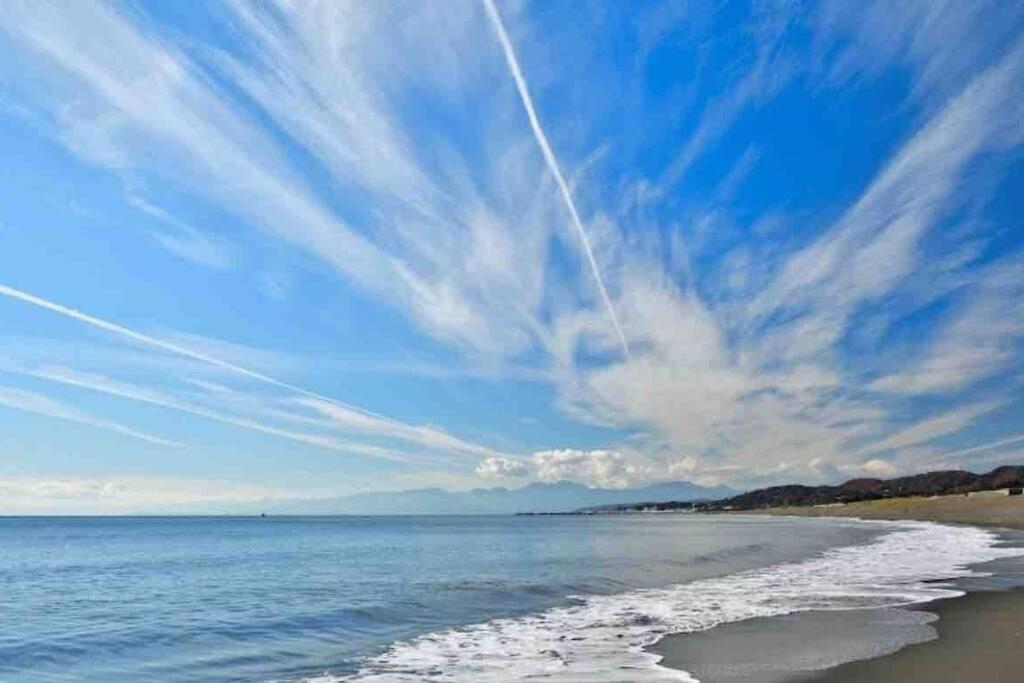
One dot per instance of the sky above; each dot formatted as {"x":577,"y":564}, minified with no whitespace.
{"x":309,"y":249}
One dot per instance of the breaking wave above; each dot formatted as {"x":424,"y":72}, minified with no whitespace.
{"x":604,"y":638}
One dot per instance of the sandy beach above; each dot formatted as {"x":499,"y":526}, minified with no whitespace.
{"x":979,"y":636}
{"x":984,"y":510}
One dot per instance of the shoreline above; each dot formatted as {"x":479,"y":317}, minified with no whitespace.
{"x":980,"y":636}
{"x":1006,"y":512}
{"x":976,"y":636}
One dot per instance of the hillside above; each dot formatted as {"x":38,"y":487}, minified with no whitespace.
{"x":943,"y":482}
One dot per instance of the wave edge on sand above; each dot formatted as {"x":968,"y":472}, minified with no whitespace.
{"x":605,"y":638}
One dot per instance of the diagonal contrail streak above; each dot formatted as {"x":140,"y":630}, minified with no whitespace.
{"x":984,"y":447}
{"x":25,"y":297}
{"x":20,"y":295}
{"x":552,"y":162}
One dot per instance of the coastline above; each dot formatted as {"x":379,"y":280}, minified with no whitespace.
{"x":997,"y":511}
{"x":977,"y":636}
{"x":980,"y":637}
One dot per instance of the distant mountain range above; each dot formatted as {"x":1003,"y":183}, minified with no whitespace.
{"x":563,"y":496}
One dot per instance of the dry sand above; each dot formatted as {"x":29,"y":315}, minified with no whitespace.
{"x":987,"y":510}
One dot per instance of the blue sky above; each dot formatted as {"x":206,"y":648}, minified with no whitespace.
{"x":310,"y":249}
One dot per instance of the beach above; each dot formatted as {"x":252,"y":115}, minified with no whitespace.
{"x":979,"y":636}
{"x":988,"y":510}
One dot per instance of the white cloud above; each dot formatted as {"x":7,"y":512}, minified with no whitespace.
{"x":980,"y":339}
{"x":597,"y":468}
{"x":741,"y":373}
{"x":880,"y":468}
{"x":501,"y":468}
{"x":832,"y":473}
{"x":422,"y":435}
{"x":932,"y":428}
{"x":875,"y":36}
{"x":600,"y":468}
{"x":874,"y":247}
{"x":552,"y":163}
{"x":465,"y":248}
{"x":768,"y":73}
{"x":999,"y":443}
{"x":132,"y":392}
{"x":977,"y":461}
{"x":337,"y":410}
{"x":193,"y":246}
{"x":436,"y":246}
{"x":759,"y":379}
{"x":32,"y":402}
{"x":118,"y":494}
{"x":184,"y":241}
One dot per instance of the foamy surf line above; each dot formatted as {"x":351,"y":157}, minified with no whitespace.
{"x":603,"y":638}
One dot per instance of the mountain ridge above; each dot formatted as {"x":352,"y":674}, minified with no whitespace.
{"x":562,"y":496}
{"x":935,"y":483}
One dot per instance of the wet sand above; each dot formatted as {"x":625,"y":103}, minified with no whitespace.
{"x":981,"y":638}
{"x":791,"y":647}
{"x":977,"y":637}
{"x":989,"y":510}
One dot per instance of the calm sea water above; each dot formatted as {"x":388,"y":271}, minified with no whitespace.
{"x":421,"y":598}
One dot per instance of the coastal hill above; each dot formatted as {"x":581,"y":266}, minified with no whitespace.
{"x":944,"y":482}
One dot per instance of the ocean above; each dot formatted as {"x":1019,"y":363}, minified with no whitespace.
{"x":502,"y":598}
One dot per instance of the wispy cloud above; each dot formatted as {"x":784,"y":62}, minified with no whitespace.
{"x":146,"y":107}
{"x":978,"y":340}
{"x":769,"y":71}
{"x":875,"y":246}
{"x":184,"y":241}
{"x":999,"y":443}
{"x":133,"y":392}
{"x":32,"y":402}
{"x":875,"y":36}
{"x":552,"y":162}
{"x":331,"y":128}
{"x":950,"y":422}
{"x":332,"y":407}
{"x":418,"y":434}
{"x":148,"y":340}
{"x":122,"y":494}
{"x":762,"y":380}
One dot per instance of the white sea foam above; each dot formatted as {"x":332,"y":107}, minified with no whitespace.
{"x":602,"y":638}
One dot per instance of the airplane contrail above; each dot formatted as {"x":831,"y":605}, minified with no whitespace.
{"x":108,"y":326}
{"x":984,"y":447}
{"x":552,"y":162}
